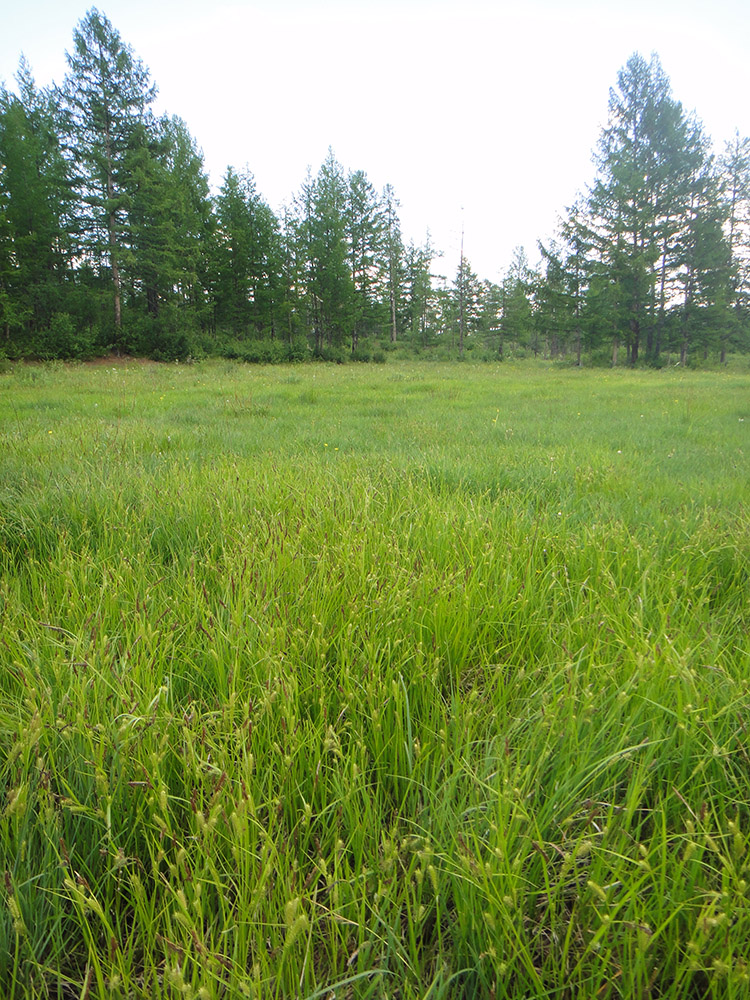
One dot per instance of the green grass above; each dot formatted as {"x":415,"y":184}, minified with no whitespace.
{"x":415,"y":681}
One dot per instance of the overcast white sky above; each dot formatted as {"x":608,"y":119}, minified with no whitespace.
{"x":485,"y":112}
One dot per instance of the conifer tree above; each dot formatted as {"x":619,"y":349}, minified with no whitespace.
{"x":329,"y":287}
{"x":365,"y":236}
{"x":735,"y":168}
{"x":517,"y":325}
{"x":418,"y":292}
{"x":393,"y":256}
{"x":106,"y":95}
{"x":34,"y":216}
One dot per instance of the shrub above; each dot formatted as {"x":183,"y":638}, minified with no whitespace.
{"x":298,"y":350}
{"x":65,"y":340}
{"x":335,"y":354}
{"x":174,"y":345}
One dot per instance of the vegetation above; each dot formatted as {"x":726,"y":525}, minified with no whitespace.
{"x":110,"y":240}
{"x":400,"y":681}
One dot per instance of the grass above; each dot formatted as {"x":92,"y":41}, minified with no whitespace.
{"x":419,"y":681}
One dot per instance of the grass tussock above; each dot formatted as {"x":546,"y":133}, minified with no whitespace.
{"x":363,"y":684}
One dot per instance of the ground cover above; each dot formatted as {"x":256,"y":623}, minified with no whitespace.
{"x":398,"y":681}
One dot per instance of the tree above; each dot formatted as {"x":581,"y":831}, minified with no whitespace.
{"x":517,"y":324}
{"x":553,"y":317}
{"x":106,"y":95}
{"x":247,"y":258}
{"x":34,"y":213}
{"x":654,"y":220}
{"x":705,"y":271}
{"x":364,"y":235}
{"x":561,"y":293}
{"x":735,"y":168}
{"x":490,"y":312}
{"x":418,"y":292}
{"x":170,"y":224}
{"x":293,"y":271}
{"x":632,"y":204}
{"x":329,"y":287}
{"x":394,"y":253}
{"x":466,"y":303}
{"x":192,"y":217}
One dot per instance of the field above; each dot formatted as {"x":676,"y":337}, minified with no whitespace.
{"x":401,"y":681}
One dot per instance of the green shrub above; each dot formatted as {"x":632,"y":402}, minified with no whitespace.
{"x":334,"y":354}
{"x":298,"y":350}
{"x":64,"y":339}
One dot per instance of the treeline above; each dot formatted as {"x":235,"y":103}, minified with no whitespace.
{"x":110,"y":239}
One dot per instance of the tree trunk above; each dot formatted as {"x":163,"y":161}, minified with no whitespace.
{"x":662,"y":301}
{"x":685,"y":336}
{"x":112,"y":227}
{"x":116,"y":282}
{"x":461,"y":299}
{"x":685,"y":311}
{"x":635,"y":327}
{"x":684,"y":347}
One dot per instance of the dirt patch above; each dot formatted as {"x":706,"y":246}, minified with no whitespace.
{"x":113,"y":360}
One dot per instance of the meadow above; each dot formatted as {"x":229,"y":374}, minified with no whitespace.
{"x":399,"y":681}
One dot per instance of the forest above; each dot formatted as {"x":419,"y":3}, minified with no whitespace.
{"x":111,"y":240}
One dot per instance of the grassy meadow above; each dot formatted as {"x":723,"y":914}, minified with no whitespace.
{"x":401,"y":681}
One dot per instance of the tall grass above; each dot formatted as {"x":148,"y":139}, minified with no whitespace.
{"x":417,"y":682}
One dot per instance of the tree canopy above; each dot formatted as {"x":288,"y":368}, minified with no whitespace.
{"x":111,"y":239}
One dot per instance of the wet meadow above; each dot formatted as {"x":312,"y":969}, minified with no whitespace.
{"x":411,"y":680}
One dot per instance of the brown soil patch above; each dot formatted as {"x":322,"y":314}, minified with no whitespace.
{"x":113,"y":360}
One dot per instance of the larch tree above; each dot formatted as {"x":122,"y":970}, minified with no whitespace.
{"x":735,"y":169}
{"x":561,"y":291}
{"x":517,"y":322}
{"x":393,"y":257}
{"x":106,"y":95}
{"x":624,"y":203}
{"x":247,"y":259}
{"x":364,"y":233}
{"x":329,"y":288}
{"x":418,"y":291}
{"x":170,"y":221}
{"x":34,"y":213}
{"x":705,"y":260}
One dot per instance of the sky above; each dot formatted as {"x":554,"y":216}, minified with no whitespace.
{"x":482,"y":115}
